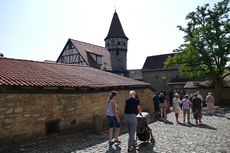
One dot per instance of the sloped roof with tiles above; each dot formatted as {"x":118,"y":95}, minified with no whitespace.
{"x":15,"y":72}
{"x":85,"y":48}
{"x":155,"y":62}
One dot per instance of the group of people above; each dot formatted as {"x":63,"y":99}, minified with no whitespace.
{"x":194,"y":101}
{"x":132,"y":108}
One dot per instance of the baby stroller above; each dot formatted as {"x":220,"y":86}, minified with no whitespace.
{"x":143,"y":131}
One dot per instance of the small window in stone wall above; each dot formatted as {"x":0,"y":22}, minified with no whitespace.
{"x":117,"y":52}
{"x":52,"y":127}
{"x":118,"y":43}
{"x":156,"y":77}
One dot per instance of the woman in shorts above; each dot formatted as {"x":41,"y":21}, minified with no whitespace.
{"x":113,"y":118}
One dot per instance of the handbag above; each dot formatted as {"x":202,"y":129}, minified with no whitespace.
{"x":165,"y":106}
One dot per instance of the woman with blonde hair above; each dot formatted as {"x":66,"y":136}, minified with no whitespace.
{"x":113,"y":119}
{"x":132,"y":108}
{"x":162,"y":104}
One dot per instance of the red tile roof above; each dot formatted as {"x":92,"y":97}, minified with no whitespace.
{"x":32,"y":73}
{"x":84,"y":47}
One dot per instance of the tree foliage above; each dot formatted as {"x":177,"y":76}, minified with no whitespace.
{"x":206,"y":47}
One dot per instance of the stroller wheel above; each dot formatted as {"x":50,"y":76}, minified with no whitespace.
{"x":152,"y":140}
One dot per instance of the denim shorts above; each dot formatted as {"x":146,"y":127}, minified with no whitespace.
{"x":162,"y":105}
{"x":113,"y":122}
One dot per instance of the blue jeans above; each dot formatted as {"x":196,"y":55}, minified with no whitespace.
{"x":131,"y":123}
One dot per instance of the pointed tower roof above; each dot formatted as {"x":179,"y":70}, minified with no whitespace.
{"x":116,"y":29}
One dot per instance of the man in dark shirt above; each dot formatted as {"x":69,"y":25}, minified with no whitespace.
{"x":197,"y":106}
{"x":156,"y":105}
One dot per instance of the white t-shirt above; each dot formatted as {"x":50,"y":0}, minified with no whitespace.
{"x":176,"y":102}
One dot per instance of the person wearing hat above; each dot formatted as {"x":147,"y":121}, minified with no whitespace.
{"x":176,"y":106}
{"x":186,"y":105}
{"x":210,"y":103}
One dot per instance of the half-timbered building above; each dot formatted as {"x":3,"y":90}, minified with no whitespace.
{"x":112,"y":57}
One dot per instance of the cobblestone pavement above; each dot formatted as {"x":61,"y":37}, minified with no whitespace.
{"x":212,"y":136}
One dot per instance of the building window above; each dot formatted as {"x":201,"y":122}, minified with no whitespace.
{"x":117,"y":52}
{"x":156,"y":77}
{"x":107,"y":44}
{"x":98,"y":60}
{"x":70,"y":46}
{"x":118,"y":43}
{"x":124,"y":43}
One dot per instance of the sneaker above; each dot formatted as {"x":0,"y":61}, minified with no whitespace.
{"x":111,"y":142}
{"x":117,"y":141}
{"x":135,"y":144}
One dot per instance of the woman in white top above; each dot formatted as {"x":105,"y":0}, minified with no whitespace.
{"x":176,"y":106}
{"x":113,"y":119}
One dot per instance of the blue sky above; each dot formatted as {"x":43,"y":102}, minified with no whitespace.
{"x":38,"y":29}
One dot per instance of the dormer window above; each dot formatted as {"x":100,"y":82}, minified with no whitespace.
{"x":99,"y":60}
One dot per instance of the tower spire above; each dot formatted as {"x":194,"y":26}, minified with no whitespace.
{"x":116,"y":29}
{"x":116,"y":43}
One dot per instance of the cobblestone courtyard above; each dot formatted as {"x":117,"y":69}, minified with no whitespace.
{"x":212,"y":136}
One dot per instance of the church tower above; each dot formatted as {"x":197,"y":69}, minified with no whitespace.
{"x":116,"y":43}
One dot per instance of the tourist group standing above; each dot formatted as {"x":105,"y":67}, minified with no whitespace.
{"x":194,"y":101}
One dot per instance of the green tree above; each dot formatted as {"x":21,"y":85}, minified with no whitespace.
{"x":206,"y":48}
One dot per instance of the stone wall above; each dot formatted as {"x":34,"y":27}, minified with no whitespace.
{"x":23,"y":116}
{"x":135,"y":74}
{"x":157,"y":82}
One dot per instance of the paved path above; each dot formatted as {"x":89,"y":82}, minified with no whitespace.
{"x":212,"y":136}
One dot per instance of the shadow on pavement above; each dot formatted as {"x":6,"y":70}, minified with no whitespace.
{"x":168,"y":122}
{"x":184,"y":124}
{"x":146,"y":147}
{"x":206,"y":126}
{"x":202,"y":126}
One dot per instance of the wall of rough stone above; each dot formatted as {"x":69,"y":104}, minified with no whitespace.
{"x":135,"y":74}
{"x":23,"y":116}
{"x":155,"y":79}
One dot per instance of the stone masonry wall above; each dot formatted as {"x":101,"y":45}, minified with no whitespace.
{"x":23,"y":116}
{"x":155,"y":79}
